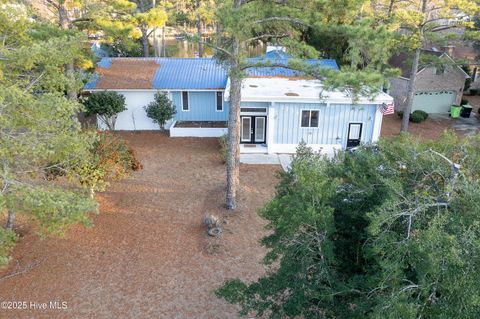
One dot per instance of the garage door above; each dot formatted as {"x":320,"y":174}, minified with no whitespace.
{"x":434,"y":102}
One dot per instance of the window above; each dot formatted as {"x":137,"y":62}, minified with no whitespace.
{"x":309,"y":118}
{"x":185,"y":106}
{"x":219,"y":101}
{"x":253,"y":110}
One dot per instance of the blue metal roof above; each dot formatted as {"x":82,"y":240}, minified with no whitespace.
{"x":92,"y":82}
{"x":200,"y":73}
{"x":276,"y":54}
{"x":279,"y":71}
{"x":189,"y":73}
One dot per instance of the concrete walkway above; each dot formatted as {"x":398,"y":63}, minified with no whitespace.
{"x":466,"y":125}
{"x":267,"y":159}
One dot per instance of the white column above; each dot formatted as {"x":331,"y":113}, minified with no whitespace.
{"x":271,"y":127}
{"x":377,"y":126}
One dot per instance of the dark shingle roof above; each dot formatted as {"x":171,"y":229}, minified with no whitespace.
{"x":403,"y":61}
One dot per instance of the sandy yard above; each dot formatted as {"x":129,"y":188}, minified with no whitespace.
{"x":147,"y":255}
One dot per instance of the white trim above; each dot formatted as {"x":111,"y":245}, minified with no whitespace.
{"x":254,"y":113}
{"x":328,"y":149}
{"x":149,"y":90}
{"x":196,"y":131}
{"x":122,"y":90}
{"x":188,"y":101}
{"x":310,"y":119}
{"x":270,"y":127}
{"x":377,"y":125}
{"x":317,"y":101}
{"x":451,"y":59}
{"x":216,"y":101}
{"x":454,"y":64}
{"x":197,"y":90}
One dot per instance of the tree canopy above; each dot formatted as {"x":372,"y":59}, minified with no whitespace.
{"x":390,"y":231}
{"x":39,"y":129}
{"x":106,"y":105}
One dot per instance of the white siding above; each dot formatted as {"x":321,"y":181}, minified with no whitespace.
{"x":134,"y":118}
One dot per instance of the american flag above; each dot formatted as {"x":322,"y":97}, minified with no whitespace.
{"x":387,"y":109}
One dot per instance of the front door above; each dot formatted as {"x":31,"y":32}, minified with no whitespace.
{"x":253,"y":130}
{"x":354,"y":134}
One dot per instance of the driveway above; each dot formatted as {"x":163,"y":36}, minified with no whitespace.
{"x":433,"y":127}
{"x":147,"y":255}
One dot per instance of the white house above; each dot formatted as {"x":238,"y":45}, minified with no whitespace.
{"x":279,"y":107}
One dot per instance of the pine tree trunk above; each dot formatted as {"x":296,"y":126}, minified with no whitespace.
{"x":145,"y":42}
{"x":199,"y":29}
{"x":69,"y":67}
{"x":164,"y":49}
{"x":233,"y":141}
{"x":10,"y":219}
{"x":233,"y":147}
{"x":10,"y":211}
{"x":411,"y":91}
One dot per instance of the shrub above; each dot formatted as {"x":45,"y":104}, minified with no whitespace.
{"x":464,"y":101}
{"x":7,"y":242}
{"x":474,"y":91}
{"x":161,"y":109}
{"x":418,"y":116}
{"x":106,"y":105}
{"x":111,"y":159}
{"x":223,"y":147}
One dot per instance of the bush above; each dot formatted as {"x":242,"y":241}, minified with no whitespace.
{"x":161,"y":109}
{"x":418,"y":116}
{"x":474,"y":91}
{"x":106,"y":105}
{"x":111,"y":159}
{"x":464,"y":102}
{"x":7,"y":242}
{"x":223,"y":147}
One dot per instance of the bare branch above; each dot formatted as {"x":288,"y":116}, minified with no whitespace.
{"x":215,"y":47}
{"x":31,"y":84}
{"x":282,"y":19}
{"x":266,"y":36}
{"x":53,"y":4}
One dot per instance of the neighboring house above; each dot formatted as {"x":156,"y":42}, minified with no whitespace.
{"x":279,"y":107}
{"x":467,"y":54}
{"x":436,"y":87}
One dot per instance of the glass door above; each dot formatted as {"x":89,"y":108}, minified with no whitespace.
{"x":246,"y":132}
{"x":260,"y":129}
{"x":354,"y":134}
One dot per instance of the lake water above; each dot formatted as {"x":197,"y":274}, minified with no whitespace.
{"x":187,"y":49}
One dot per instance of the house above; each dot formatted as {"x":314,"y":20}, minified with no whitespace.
{"x":437,"y":85}
{"x":468,"y":55}
{"x":279,"y":107}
